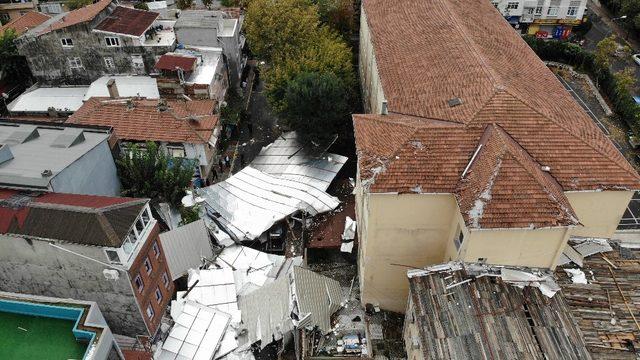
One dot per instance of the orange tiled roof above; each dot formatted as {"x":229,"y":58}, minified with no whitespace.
{"x":25,"y":22}
{"x":142,"y":120}
{"x":77,"y":16}
{"x":429,"y":52}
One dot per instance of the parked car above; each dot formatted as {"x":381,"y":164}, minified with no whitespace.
{"x":636,"y":58}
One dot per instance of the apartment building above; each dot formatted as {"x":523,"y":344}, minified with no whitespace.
{"x":13,"y":9}
{"x":92,"y":248}
{"x":460,"y":158}
{"x":78,"y":47}
{"x":543,"y":18}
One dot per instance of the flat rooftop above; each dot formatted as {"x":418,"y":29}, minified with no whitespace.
{"x":36,"y":337}
{"x":63,"y":99}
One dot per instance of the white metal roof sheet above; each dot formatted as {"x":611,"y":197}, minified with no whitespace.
{"x":185,"y":247}
{"x":128,"y":86}
{"x":65,"y":99}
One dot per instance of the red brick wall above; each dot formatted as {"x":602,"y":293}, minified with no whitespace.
{"x":151,"y":281}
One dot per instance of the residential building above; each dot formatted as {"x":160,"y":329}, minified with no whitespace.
{"x":185,"y":129}
{"x":467,"y":311}
{"x":93,"y":248}
{"x":13,"y":9}
{"x":543,"y":18}
{"x":214,"y":29}
{"x":197,"y":73}
{"x":58,"y":158}
{"x":25,"y":22}
{"x":463,"y":155}
{"x":57,"y":328}
{"x":77,"y":47}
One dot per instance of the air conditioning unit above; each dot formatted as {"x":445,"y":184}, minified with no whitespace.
{"x":110,"y":274}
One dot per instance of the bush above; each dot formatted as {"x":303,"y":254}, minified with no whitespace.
{"x":619,"y":95}
{"x":141,"y":6}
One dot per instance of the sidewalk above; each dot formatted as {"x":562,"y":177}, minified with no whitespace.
{"x":605,"y":16}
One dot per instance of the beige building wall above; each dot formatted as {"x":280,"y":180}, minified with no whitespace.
{"x":599,"y":211}
{"x":372,"y":93}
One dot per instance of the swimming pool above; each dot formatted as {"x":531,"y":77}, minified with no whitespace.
{"x":32,"y":330}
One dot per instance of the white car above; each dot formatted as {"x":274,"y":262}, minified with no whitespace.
{"x":636,"y":58}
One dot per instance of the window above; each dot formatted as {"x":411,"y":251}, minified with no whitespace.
{"x":150,"y":312}
{"x":112,"y":41}
{"x":573,"y":8}
{"x":113,"y":257}
{"x":538,"y":10}
{"x":158,"y":295}
{"x":66,"y":42}
{"x":130,"y":242}
{"x":75,"y":63}
{"x":165,"y":280}
{"x":139,"y":226}
{"x":553,"y":11}
{"x":512,"y":5}
{"x":147,"y":266}
{"x":176,"y":151}
{"x":459,"y":239}
{"x":146,"y":218}
{"x":139,"y":283}
{"x":136,"y":62}
{"x":156,"y":249}
{"x":529,"y":11}
{"x":108,"y":62}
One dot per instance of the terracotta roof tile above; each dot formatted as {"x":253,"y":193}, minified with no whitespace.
{"x":424,"y":144}
{"x":77,"y":16}
{"x":142,"y":120}
{"x":25,"y":22}
{"x":127,"y":21}
{"x":173,"y":62}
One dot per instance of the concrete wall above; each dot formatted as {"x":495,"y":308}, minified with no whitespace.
{"x":599,"y":211}
{"x":34,"y":267}
{"x":372,"y":92}
{"x":48,"y":62}
{"x":93,"y":174}
{"x":400,"y":232}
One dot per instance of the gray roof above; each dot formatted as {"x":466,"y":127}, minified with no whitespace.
{"x":36,"y":148}
{"x":200,"y":19}
{"x":185,"y":247}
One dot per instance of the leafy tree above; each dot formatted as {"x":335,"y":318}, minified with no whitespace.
{"x":151,"y":173}
{"x":141,"y":5}
{"x":189,"y":214}
{"x":278,"y":28}
{"x":316,"y":105}
{"x":12,"y":65}
{"x":338,"y":14}
{"x":605,"y":50}
{"x":225,"y":3}
{"x":328,"y":53}
{"x":184,"y":4}
{"x":77,"y":4}
{"x":625,"y":80}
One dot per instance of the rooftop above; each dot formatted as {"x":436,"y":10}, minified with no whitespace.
{"x":28,"y":151}
{"x":25,"y":22}
{"x":175,"y":61}
{"x":444,"y":93}
{"x":462,"y":311}
{"x":127,"y":21}
{"x":80,"y":219}
{"x":71,"y":18}
{"x":128,"y":86}
{"x":39,"y":100}
{"x":205,"y":70}
{"x":149,"y":120}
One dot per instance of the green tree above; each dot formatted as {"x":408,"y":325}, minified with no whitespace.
{"x":625,"y":80}
{"x":328,"y":53}
{"x":605,"y":50}
{"x":189,"y":214}
{"x":12,"y":65}
{"x":141,"y":6}
{"x":151,"y":173}
{"x":277,"y":28}
{"x":338,"y":14}
{"x":184,"y":4}
{"x":77,"y":4}
{"x":316,"y":105}
{"x":225,"y":3}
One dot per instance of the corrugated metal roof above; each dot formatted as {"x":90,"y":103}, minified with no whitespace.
{"x":317,"y":295}
{"x":185,"y":247}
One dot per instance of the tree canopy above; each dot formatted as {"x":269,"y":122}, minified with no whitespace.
{"x":12,"y":65}
{"x":150,"y":172}
{"x":316,"y":105}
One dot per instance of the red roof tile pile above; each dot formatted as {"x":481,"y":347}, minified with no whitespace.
{"x":128,"y":21}
{"x":25,"y":22}
{"x":150,"y":120}
{"x":78,"y":16}
{"x":452,"y":71}
{"x":173,"y":62}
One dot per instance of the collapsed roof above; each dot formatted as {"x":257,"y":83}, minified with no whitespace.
{"x":443,"y":93}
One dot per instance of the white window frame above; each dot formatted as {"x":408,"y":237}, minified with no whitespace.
{"x":112,"y":41}
{"x":158,"y":295}
{"x":114,"y":251}
{"x":171,"y":149}
{"x":156,"y":249}
{"x":66,"y":42}
{"x":538,"y":10}
{"x":135,"y":281}
{"x":148,"y":267}
{"x":572,"y":11}
{"x":513,"y":5}
{"x":150,"y":312}
{"x":552,"y":11}
{"x":109,"y":63}
{"x":74,"y":63}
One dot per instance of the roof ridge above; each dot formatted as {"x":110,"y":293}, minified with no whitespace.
{"x":620,"y":161}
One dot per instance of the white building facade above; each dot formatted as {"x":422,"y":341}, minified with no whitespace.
{"x":543,"y":18}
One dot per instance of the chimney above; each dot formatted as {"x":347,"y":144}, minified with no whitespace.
{"x":113,"y":89}
{"x":384,"y":110}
